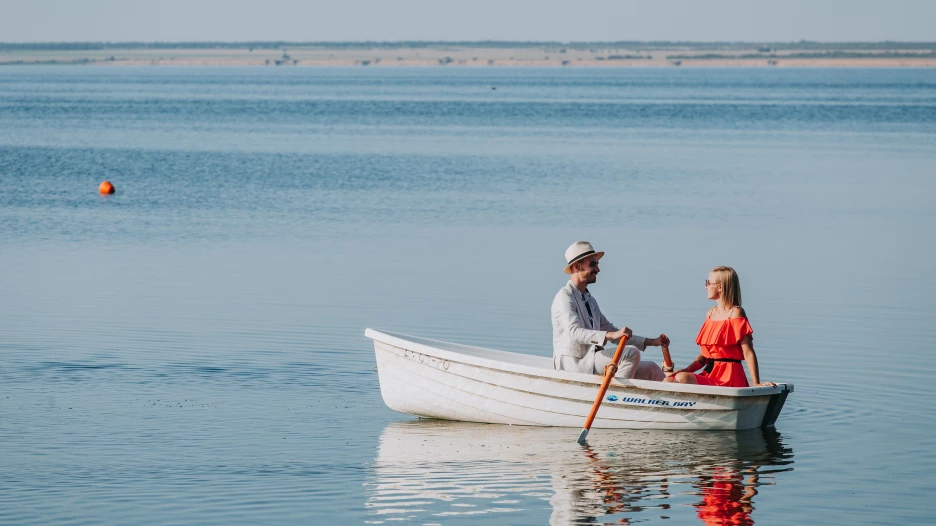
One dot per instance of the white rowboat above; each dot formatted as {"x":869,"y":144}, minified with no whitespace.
{"x":448,"y":381}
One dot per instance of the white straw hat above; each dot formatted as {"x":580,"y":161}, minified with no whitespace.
{"x":579,"y":250}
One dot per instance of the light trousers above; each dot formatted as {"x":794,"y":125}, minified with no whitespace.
{"x":630,"y":365}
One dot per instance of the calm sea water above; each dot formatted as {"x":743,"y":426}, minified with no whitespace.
{"x":190,"y":350}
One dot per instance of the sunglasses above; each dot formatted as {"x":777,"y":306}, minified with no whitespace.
{"x":707,"y":283}
{"x":591,"y":264}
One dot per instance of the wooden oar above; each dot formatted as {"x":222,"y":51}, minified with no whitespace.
{"x":664,"y":343}
{"x":610,"y":370}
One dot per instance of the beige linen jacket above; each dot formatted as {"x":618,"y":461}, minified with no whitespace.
{"x":575,"y":340}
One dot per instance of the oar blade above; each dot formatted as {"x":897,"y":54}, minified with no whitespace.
{"x":581,"y":439}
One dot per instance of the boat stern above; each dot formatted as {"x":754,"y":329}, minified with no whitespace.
{"x":776,"y":405}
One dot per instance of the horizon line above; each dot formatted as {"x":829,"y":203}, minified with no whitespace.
{"x":481,"y":43}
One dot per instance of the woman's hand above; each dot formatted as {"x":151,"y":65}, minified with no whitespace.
{"x":658,"y":342}
{"x":765,"y":384}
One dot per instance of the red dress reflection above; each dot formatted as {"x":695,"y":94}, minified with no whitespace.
{"x":726,"y":500}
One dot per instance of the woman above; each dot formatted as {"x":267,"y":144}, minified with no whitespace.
{"x":725,"y":338}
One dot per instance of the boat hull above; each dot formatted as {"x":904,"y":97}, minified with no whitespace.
{"x":438,"y":381}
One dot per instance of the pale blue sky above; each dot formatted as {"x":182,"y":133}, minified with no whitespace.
{"x":342,"y":20}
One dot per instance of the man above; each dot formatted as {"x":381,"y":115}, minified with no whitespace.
{"x":580,"y":330}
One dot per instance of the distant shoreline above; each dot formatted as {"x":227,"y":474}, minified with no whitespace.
{"x":478,"y":54}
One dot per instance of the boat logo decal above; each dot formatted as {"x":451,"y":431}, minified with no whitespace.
{"x":648,"y":401}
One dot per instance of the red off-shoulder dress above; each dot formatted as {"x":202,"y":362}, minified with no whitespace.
{"x":722,"y":339}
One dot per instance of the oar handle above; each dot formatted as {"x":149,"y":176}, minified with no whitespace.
{"x":610,"y":370}
{"x":664,"y":343}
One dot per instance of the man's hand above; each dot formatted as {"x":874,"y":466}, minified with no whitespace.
{"x":658,"y":342}
{"x":617,"y":335}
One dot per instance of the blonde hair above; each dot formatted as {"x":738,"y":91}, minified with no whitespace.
{"x":731,"y":285}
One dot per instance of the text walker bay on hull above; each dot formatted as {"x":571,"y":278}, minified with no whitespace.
{"x":448,"y":381}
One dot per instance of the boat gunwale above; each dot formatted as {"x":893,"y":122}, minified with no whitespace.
{"x":400,"y":341}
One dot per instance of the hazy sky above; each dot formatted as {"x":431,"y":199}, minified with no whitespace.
{"x":342,"y":20}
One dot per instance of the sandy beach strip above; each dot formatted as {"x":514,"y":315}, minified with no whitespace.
{"x":456,"y":56}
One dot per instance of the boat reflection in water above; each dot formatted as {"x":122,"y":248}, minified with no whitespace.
{"x":433,"y":471}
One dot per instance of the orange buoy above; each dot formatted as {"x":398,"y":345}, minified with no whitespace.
{"x":106,"y":188}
